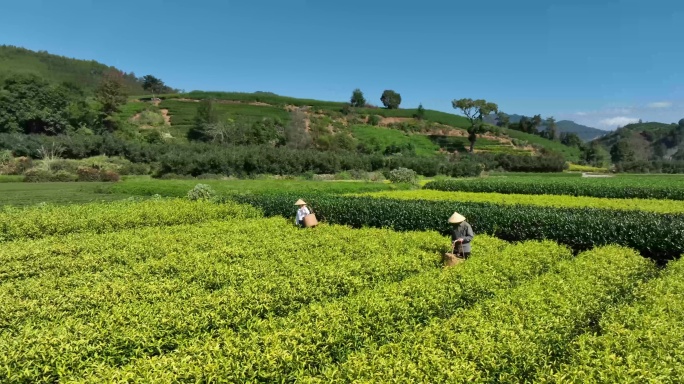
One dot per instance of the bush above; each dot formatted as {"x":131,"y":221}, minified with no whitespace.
{"x":403,"y":175}
{"x":111,"y":176}
{"x":37,"y":175}
{"x":88,"y":174}
{"x":201,"y":192}
{"x":579,"y":228}
{"x":373,"y":120}
{"x":5,"y":157}
{"x":64,"y":176}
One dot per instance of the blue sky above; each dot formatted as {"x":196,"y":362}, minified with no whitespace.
{"x":600,"y":63}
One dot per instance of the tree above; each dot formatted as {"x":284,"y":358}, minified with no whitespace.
{"x":622,"y":151}
{"x":29,"y":104}
{"x":390,"y":99}
{"x":551,"y":132}
{"x":570,"y":139}
{"x":111,"y":95}
{"x":474,"y":110}
{"x":205,"y":116}
{"x":535,"y":123}
{"x":420,"y":113}
{"x":153,"y":84}
{"x":502,"y":120}
{"x":594,"y":154}
{"x":357,"y":99}
{"x":681,"y":123}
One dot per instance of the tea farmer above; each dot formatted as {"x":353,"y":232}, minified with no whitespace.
{"x":301,"y":212}
{"x":461,"y":235}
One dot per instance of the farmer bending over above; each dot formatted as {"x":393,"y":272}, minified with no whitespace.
{"x":301,"y":212}
{"x":461,"y":235}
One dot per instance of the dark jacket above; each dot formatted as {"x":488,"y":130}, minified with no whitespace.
{"x":462,"y":231}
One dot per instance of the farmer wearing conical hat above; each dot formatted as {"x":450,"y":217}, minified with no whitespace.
{"x":301,"y":212}
{"x":461,"y":234}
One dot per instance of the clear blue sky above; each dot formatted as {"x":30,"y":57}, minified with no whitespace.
{"x":597,"y":62}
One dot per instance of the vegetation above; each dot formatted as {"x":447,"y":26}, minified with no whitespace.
{"x":390,"y":99}
{"x":579,"y":228}
{"x":357,"y":99}
{"x":324,"y":334}
{"x":560,"y":201}
{"x":475,"y":110}
{"x":636,"y":342}
{"x":50,"y":220}
{"x":627,"y":187}
{"x":513,"y":337}
{"x":234,"y":275}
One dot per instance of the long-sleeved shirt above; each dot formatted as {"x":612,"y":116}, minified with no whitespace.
{"x":462,"y":231}
{"x":301,"y":212}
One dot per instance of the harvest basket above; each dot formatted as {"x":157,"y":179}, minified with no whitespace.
{"x":449,"y":259}
{"x":310,"y":220}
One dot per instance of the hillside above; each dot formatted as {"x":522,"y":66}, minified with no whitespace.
{"x":564,"y":126}
{"x":649,"y":140}
{"x":59,"y":69}
{"x":372,"y":130}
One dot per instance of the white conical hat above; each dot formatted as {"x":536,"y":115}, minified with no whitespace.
{"x":300,"y":202}
{"x":456,"y":218}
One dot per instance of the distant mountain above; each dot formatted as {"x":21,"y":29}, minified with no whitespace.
{"x":59,"y":69}
{"x":585,"y":133}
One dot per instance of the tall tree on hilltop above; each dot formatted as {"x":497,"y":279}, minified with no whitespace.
{"x":111,"y":95}
{"x":390,"y":99}
{"x":153,"y":84}
{"x":420,"y":112}
{"x":475,"y":110}
{"x":357,"y":99}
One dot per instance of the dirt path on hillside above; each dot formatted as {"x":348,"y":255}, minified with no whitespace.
{"x":166,"y":116}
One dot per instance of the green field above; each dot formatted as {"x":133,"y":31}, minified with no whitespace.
{"x":183,"y":112}
{"x":165,"y":291}
{"x":20,"y":194}
{"x":380,"y":138}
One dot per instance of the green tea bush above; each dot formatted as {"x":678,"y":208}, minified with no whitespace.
{"x":511,"y":338}
{"x":579,"y":228}
{"x":649,"y":187}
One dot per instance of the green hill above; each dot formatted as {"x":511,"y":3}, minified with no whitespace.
{"x":649,"y":141}
{"x":396,"y":130}
{"x":59,"y":69}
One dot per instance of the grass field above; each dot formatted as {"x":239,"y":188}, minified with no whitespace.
{"x":20,"y":194}
{"x":375,"y":137}
{"x":17,"y":193}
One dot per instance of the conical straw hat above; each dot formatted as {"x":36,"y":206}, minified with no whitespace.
{"x":456,"y":218}
{"x":300,"y":202}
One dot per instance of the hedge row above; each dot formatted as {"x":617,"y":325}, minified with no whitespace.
{"x":513,"y":337}
{"x":658,"y":236}
{"x":645,"y":187}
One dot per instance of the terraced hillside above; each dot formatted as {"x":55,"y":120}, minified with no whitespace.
{"x":373,"y":128}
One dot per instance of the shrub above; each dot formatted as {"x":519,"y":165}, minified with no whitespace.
{"x":373,"y":120}
{"x":106,"y":175}
{"x":64,"y":176}
{"x":403,"y":175}
{"x":5,"y":157}
{"x":201,"y":192}
{"x":88,"y":174}
{"x":37,"y":175}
